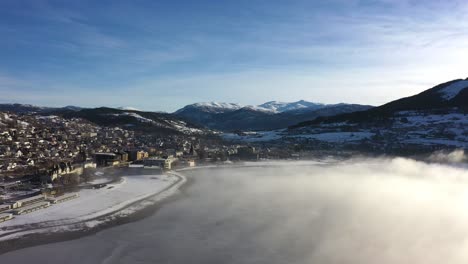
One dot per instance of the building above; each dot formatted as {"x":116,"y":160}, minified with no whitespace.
{"x":31,"y":208}
{"x":106,"y":159}
{"x":134,"y":155}
{"x":166,"y":164}
{"x":64,"y":198}
{"x":188,"y":162}
{"x":191,"y":163}
{"x":28,"y":201}
{"x":142,"y":155}
{"x":63,"y":168}
{"x":247,"y":153}
{"x":122,"y":156}
{"x":4,"y":207}
{"x":89,"y":164}
{"x":170,"y":152}
{"x":154,"y":162}
{"x":5,"y":217}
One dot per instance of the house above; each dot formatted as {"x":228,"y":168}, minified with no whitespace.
{"x":9,"y":185}
{"x":122,"y":156}
{"x":247,"y":153}
{"x":106,"y":159}
{"x":164,"y":163}
{"x":134,"y":155}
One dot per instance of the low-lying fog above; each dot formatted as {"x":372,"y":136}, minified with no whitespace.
{"x":360,"y":211}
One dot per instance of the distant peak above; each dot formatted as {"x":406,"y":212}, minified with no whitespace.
{"x":279,"y":107}
{"x":270,"y":106}
{"x":128,"y":108}
{"x":217,"y":104}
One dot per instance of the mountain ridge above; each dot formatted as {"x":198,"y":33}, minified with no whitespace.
{"x":270,"y":106}
{"x":270,"y":115}
{"x":445,"y":95}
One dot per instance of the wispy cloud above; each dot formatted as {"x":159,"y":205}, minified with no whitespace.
{"x":164,"y":54}
{"x":60,"y":28}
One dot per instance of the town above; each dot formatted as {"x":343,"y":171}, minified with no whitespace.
{"x":45,"y":159}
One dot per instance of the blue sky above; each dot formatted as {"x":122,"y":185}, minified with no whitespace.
{"x":161,"y":55}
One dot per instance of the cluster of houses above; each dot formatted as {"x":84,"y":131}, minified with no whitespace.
{"x":139,"y":158}
{"x":37,"y":151}
{"x":29,"y":143}
{"x":53,"y":146}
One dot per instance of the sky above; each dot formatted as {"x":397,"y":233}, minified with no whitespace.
{"x":162,"y":55}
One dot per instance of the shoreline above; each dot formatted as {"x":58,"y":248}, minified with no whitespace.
{"x":46,"y":235}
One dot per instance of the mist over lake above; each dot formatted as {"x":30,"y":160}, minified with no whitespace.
{"x":357,"y":211}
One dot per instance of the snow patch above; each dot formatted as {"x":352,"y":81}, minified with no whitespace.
{"x":280,"y":107}
{"x":261,"y":136}
{"x":128,"y":108}
{"x":112,"y":200}
{"x":449,"y":92}
{"x":338,"y":136}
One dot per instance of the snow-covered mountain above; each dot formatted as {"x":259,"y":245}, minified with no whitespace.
{"x":270,"y":115}
{"x":436,"y":118}
{"x":453,"y":89}
{"x":209,"y":107}
{"x":280,"y":107}
{"x":128,"y":108}
{"x":217,"y":105}
{"x":146,"y":122}
{"x":27,"y":108}
{"x":401,"y":133}
{"x":442,"y":97}
{"x":272,"y":106}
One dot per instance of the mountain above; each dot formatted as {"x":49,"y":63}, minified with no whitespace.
{"x":272,"y":106}
{"x":145,"y":122}
{"x":22,"y":108}
{"x":452,"y":94}
{"x":431,"y":120}
{"x":128,"y":108}
{"x":212,"y":107}
{"x":203,"y":113}
{"x":71,"y":107}
{"x":435,"y":119}
{"x":267,"y":116}
{"x":27,"y":108}
{"x":280,"y":107}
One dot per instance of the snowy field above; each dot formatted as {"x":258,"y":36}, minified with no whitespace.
{"x":449,"y":129}
{"x":264,"y":136}
{"x":94,"y":206}
{"x":258,"y":136}
{"x":338,"y":137}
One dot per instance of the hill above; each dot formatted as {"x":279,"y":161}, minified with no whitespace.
{"x":452,"y":94}
{"x":147,"y":122}
{"x":435,"y":119}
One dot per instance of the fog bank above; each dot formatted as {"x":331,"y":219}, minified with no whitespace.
{"x":357,"y":211}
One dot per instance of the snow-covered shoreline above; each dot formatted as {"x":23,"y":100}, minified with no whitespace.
{"x":95,"y":208}
{"x":53,"y":230}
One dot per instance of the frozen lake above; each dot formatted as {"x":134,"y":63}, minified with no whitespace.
{"x":377,"y":211}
